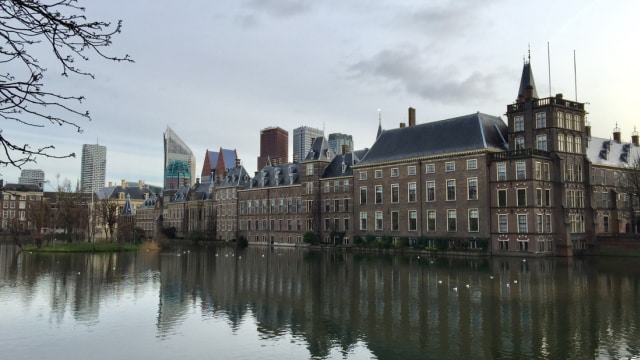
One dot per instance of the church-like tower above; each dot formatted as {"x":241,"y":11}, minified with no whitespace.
{"x":538,"y":187}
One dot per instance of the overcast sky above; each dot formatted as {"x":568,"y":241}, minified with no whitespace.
{"x":217,"y":72}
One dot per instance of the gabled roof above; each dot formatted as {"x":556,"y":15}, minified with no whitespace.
{"x":342,"y":165}
{"x":465,"y":133}
{"x":236,"y":177}
{"x":606,"y":152}
{"x":320,"y":150}
{"x":279,"y":175}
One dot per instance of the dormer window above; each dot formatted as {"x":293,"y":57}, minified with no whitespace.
{"x":344,"y":167}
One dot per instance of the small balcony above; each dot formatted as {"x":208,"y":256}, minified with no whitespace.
{"x":519,"y":154}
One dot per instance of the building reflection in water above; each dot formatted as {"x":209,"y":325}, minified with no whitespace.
{"x":404,"y":306}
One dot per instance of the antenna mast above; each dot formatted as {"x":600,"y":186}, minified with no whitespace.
{"x":549,"y":67}
{"x":575,"y":77}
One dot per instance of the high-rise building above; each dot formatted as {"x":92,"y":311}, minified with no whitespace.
{"x":274,"y":145}
{"x":302,"y":139}
{"x":31,"y":177}
{"x":337,"y":141}
{"x":179,"y":162}
{"x":94,"y":167}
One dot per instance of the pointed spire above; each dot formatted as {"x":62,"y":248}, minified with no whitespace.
{"x":379,"y":124}
{"x":527,"y":83}
{"x":127,"y":209}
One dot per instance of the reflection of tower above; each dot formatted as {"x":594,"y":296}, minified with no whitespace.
{"x":179,"y":161}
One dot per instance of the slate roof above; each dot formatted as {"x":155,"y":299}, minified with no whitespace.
{"x":237,"y":176}
{"x":149,"y":202}
{"x":525,"y":80}
{"x":465,"y":133}
{"x":228,"y":156}
{"x":342,"y":165}
{"x":606,"y":152}
{"x":320,"y":150}
{"x":279,"y":175}
{"x":22,"y":187}
{"x":113,"y":192}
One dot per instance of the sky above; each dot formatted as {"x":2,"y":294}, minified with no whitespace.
{"x":217,"y":72}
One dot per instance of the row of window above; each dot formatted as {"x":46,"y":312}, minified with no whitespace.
{"x":563,"y":120}
{"x":543,"y":197}
{"x":570,"y":143}
{"x":472,"y":191}
{"x":336,"y":186}
{"x":543,"y":223}
{"x":449,"y":166}
{"x":412,"y":220}
{"x":271,"y":225}
{"x":339,"y":205}
{"x":272,"y":206}
{"x":523,"y":245}
{"x":541,"y":171}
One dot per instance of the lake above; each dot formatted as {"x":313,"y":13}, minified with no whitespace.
{"x":290,"y":303}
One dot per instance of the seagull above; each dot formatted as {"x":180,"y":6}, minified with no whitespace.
{"x":439,"y":281}
{"x":240,"y":257}
{"x":515,"y":281}
{"x":455,"y":289}
{"x":491,"y":277}
{"x":467,"y":286}
{"x":507,"y":284}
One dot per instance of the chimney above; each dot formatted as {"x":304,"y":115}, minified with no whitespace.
{"x":123,"y":183}
{"x":402,"y":125}
{"x":140,"y":183}
{"x":110,"y":184}
{"x":616,"y":134}
{"x":587,"y":129}
{"x":528,"y":92}
{"x":412,"y":116}
{"x":634,"y":138}
{"x":238,"y":162}
{"x":295,"y":158}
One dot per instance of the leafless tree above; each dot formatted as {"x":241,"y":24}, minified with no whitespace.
{"x":630,"y":186}
{"x":108,"y":213}
{"x":58,"y":26}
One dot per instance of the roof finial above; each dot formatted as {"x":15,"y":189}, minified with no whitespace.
{"x":529,"y":53}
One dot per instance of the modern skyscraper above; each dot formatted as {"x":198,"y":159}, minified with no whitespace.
{"x":338,"y":140}
{"x":179,"y":162}
{"x":31,"y":177}
{"x":302,"y":139}
{"x":94,"y":167}
{"x":274,"y":145}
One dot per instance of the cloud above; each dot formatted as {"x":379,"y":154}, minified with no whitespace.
{"x":406,"y":67}
{"x":280,"y":8}
{"x":447,"y":20}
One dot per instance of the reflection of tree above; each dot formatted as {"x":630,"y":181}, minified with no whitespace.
{"x":395,"y":306}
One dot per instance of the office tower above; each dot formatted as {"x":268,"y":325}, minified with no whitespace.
{"x":94,"y":167}
{"x":31,"y":177}
{"x":302,"y":139}
{"x":338,"y":141}
{"x":274,"y":145}
{"x":179,"y":162}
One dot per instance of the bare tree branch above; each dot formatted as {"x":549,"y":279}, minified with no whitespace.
{"x":62,"y":27}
